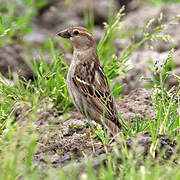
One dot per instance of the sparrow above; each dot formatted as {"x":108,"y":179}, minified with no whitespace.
{"x":86,"y":81}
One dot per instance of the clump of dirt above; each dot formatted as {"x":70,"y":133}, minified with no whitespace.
{"x":141,"y":143}
{"x":137,"y":104}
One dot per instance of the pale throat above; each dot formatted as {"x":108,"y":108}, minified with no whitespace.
{"x":84,"y":55}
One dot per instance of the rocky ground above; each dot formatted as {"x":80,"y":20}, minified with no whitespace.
{"x":64,"y":137}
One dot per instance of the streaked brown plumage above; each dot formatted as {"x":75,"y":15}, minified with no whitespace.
{"x":86,"y":80}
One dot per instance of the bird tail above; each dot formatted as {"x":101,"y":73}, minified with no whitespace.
{"x":113,"y":128}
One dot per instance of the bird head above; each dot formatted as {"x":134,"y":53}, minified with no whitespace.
{"x":80,"y":38}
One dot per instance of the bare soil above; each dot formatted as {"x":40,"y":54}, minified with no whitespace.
{"x":64,"y":139}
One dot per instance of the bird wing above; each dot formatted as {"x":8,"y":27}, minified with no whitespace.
{"x":91,"y":81}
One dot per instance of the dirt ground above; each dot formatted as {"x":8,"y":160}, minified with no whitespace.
{"x":64,"y":137}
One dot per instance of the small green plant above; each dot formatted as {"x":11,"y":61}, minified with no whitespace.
{"x":15,"y":19}
{"x":165,"y":103}
{"x":49,"y":81}
{"x":89,"y":19}
{"x":18,"y":145}
{"x":163,"y":2}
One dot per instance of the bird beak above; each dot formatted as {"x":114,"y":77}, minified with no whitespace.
{"x":64,"y":34}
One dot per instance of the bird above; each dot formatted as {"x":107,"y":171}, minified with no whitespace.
{"x":86,"y":81}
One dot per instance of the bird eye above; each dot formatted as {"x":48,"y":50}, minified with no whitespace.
{"x":76,"y":32}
